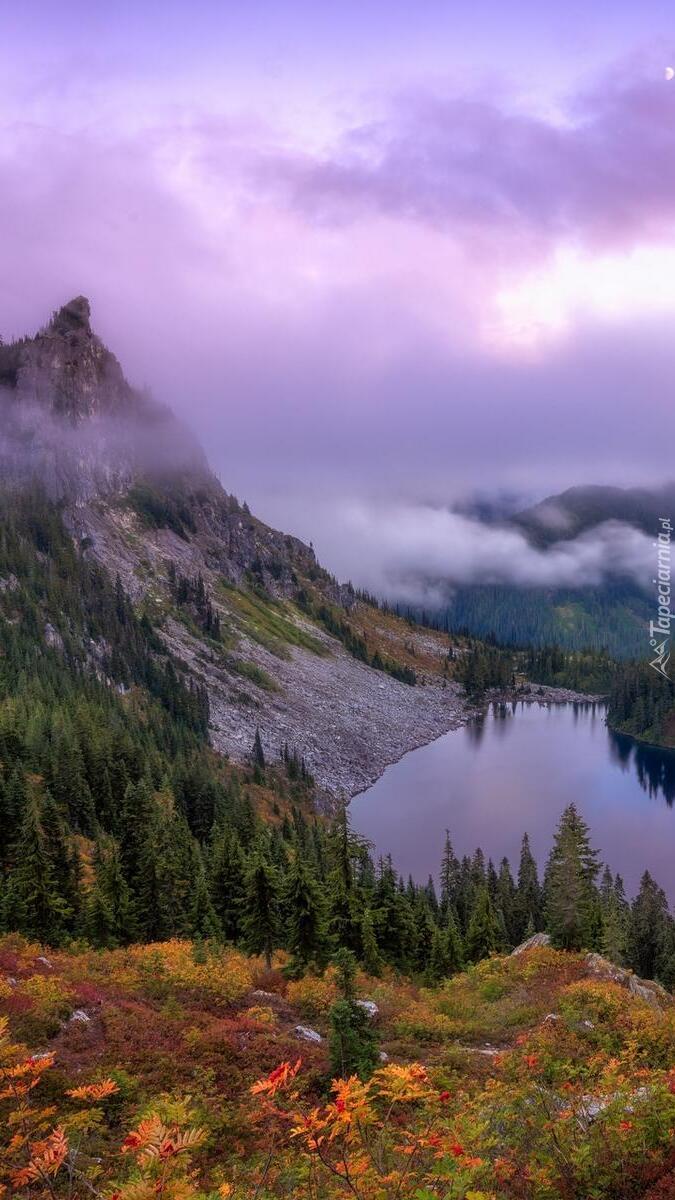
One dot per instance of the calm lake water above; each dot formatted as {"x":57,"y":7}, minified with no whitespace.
{"x":515,"y":771}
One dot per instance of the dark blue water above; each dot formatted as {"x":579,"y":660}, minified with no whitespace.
{"x":516,"y":770}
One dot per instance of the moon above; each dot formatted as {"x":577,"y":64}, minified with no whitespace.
{"x":670,"y":72}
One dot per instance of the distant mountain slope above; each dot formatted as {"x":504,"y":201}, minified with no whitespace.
{"x":613,"y":616}
{"x":580,"y":509}
{"x":276,"y":643}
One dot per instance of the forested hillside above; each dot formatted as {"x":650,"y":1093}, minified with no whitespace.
{"x":642,"y":703}
{"x":612,"y":617}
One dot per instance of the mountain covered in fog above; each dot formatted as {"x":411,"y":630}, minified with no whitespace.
{"x":244,"y":613}
{"x":612,"y":615}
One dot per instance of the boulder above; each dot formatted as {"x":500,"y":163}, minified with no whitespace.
{"x":533,"y":943}
{"x":80,"y":1017}
{"x":643,"y":989}
{"x":370,"y":1007}
{"x":307,"y":1034}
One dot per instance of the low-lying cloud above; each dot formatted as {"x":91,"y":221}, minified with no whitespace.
{"x":417,"y":554}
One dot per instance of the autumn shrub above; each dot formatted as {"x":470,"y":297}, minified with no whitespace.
{"x":313,"y":995}
{"x":50,"y":1002}
{"x":262,"y":1014}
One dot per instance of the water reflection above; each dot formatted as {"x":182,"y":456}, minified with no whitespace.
{"x":515,"y":769}
{"x":654,"y":768}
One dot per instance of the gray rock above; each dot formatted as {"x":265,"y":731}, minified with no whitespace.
{"x":533,"y":943}
{"x":44,"y":962}
{"x":643,"y":989}
{"x":80,"y":1016}
{"x":53,"y":637}
{"x":370,"y":1007}
{"x":307,"y":1034}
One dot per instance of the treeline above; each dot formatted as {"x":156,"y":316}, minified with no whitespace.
{"x":642,"y":703}
{"x":580,"y":670}
{"x":485,"y":666}
{"x":336,"y":624}
{"x":311,"y":889}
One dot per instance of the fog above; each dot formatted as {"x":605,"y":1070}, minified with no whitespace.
{"x":415,"y":554}
{"x":101,"y":452}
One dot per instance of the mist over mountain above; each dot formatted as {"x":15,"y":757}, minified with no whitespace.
{"x":70,"y":418}
{"x":244,"y":614}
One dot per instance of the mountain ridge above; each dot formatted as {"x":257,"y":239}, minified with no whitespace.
{"x":298,"y":656}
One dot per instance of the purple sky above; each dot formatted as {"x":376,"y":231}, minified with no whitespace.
{"x":379,"y":254}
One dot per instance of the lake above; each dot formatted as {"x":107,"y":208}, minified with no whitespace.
{"x":515,"y":771}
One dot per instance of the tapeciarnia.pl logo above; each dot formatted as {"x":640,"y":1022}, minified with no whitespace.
{"x":659,"y":630}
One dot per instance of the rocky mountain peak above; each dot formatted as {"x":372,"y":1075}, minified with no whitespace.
{"x":68,"y":369}
{"x":73,"y":316}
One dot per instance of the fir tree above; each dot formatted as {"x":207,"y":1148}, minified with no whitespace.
{"x":649,"y":927}
{"x":261,"y":921}
{"x":571,"y":899}
{"x":483,"y":935}
{"x":33,"y":902}
{"x":306,"y":921}
{"x":227,"y":870}
{"x":352,"y":1040}
{"x":527,"y":903}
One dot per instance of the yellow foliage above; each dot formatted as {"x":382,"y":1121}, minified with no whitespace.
{"x":262,"y":1014}
{"x":314,"y":994}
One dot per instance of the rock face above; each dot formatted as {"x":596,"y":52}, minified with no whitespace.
{"x":67,"y":369}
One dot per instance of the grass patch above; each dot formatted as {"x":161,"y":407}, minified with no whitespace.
{"x":254,"y":673}
{"x":269,"y":622}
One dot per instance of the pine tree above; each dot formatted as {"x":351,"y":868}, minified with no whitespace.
{"x":649,"y":924}
{"x":352,"y":1040}
{"x":344,"y":919}
{"x":258,"y":758}
{"x":370,"y":951}
{"x":528,"y":902}
{"x":505,"y":903}
{"x":571,"y":898}
{"x":454,"y":947}
{"x":306,"y":921}
{"x":109,"y":916}
{"x":33,"y":903}
{"x":203,"y":920}
{"x":450,"y":878}
{"x":12,"y":806}
{"x":261,"y":923}
{"x":227,"y":871}
{"x":484,"y":935}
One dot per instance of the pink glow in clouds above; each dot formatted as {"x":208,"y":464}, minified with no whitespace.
{"x":373,"y":297}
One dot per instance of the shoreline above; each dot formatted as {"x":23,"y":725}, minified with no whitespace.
{"x":545,"y":695}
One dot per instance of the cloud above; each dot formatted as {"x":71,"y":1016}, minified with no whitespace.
{"x":320,"y":316}
{"x":416,"y":554}
{"x":603,"y":173}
